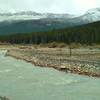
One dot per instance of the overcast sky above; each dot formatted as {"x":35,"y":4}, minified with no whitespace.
{"x":52,"y":6}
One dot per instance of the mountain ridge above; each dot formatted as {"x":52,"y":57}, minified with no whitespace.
{"x":37,"y":22}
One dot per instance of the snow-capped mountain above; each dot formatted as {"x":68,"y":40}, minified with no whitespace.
{"x":28,"y":21}
{"x":19,"y":16}
{"x":29,"y":15}
{"x":91,"y":15}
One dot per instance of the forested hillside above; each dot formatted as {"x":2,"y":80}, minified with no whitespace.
{"x":86,"y":34}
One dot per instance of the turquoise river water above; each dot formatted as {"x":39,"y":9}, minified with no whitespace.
{"x":23,"y":81}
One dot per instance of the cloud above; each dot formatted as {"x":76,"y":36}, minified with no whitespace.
{"x":53,"y":6}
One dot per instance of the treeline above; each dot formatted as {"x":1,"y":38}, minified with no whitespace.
{"x":86,"y":34}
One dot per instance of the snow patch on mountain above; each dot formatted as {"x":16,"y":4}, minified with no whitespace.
{"x":29,"y":15}
{"x":92,"y":15}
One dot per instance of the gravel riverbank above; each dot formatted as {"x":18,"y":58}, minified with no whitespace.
{"x":85,"y":61}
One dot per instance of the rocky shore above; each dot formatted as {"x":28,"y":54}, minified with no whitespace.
{"x":81,"y":62}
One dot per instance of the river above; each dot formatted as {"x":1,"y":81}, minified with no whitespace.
{"x":23,"y":81}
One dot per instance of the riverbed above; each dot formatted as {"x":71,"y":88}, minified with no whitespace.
{"x":20,"y":80}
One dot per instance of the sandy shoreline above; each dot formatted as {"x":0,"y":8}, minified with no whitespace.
{"x":44,"y":57}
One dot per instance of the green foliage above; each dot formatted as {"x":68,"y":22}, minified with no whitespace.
{"x":86,"y":34}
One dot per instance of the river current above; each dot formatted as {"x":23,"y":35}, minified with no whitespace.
{"x":20,"y":80}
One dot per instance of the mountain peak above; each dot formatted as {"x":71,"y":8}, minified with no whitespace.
{"x":93,"y":11}
{"x":92,"y":15}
